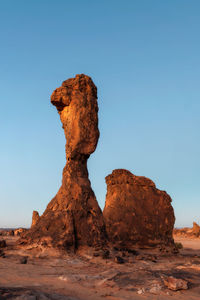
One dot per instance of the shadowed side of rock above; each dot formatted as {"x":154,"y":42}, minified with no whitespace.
{"x":73,"y":218}
{"x":136,"y":212}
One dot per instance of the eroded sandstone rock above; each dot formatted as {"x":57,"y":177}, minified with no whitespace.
{"x":175,"y":284}
{"x":73,"y":218}
{"x":193,"y":232}
{"x":196,"y":229}
{"x":136,"y":212}
{"x":20,"y":231}
{"x":35,"y":218}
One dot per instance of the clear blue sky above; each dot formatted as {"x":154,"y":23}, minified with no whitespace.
{"x":144,"y":57}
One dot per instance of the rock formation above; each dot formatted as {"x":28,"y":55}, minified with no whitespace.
{"x":175,"y":284}
{"x":35,"y":218}
{"x":20,"y":231}
{"x":73,"y":218}
{"x":136,"y":212}
{"x":193,"y":232}
{"x":196,"y":229}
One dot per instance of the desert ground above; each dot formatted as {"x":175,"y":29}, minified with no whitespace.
{"x":102,"y":259}
{"x":28,"y":275}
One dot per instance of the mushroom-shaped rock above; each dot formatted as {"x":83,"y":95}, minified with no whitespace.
{"x":136,"y":212}
{"x":73,"y":218}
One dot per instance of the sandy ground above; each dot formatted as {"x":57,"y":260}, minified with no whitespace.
{"x":76,"y":277}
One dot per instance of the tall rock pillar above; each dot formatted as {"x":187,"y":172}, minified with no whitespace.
{"x":73,"y":218}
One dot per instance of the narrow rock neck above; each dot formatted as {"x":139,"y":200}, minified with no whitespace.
{"x":76,"y":166}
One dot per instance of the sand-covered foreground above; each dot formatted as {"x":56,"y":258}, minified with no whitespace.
{"x":89,"y":277}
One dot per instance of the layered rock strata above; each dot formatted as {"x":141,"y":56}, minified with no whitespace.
{"x":73,"y":218}
{"x":136,"y":212}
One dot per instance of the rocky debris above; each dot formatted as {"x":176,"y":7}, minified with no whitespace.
{"x":178,"y":246}
{"x":2,"y":244}
{"x":73,"y":218}
{"x":23,"y":260}
{"x":136,"y":212}
{"x":105,"y":254}
{"x":155,"y":289}
{"x":6,"y":232}
{"x":25,"y":294}
{"x":175,"y":284}
{"x":20,"y":231}
{"x":2,"y":254}
{"x":152,"y":258}
{"x":96,"y":276}
{"x":187,"y":231}
{"x":110,"y":277}
{"x":119,"y":260}
{"x":141,"y":291}
{"x":11,"y":233}
{"x":181,"y":231}
{"x":147,"y":257}
{"x":35,"y":218}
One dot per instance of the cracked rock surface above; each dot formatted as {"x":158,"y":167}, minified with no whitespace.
{"x":136,"y":212}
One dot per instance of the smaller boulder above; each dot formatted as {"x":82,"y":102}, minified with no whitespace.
{"x":23,"y":260}
{"x":155,"y":289}
{"x":175,"y":284}
{"x":119,"y":260}
{"x":2,"y":254}
{"x":141,"y":291}
{"x":136,"y":213}
{"x":11,"y":233}
{"x":19,"y":231}
{"x":2,"y":244}
{"x":105,"y":254}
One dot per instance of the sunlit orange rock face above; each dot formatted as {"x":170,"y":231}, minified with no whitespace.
{"x":136,"y":212}
{"x":73,"y":218}
{"x":35,"y":218}
{"x":196,"y":229}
